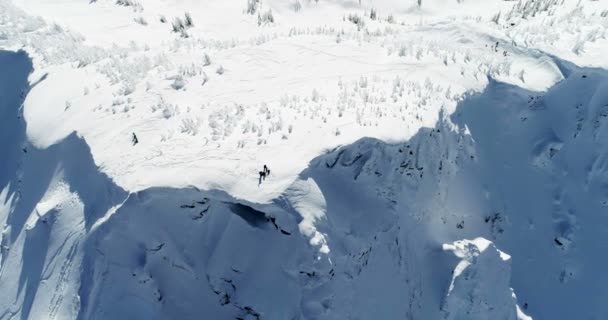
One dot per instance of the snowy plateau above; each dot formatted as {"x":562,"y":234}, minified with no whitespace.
{"x":428,"y":159}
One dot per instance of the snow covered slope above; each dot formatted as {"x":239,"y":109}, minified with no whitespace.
{"x":430,"y":159}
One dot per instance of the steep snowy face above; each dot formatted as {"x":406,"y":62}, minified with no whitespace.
{"x":50,"y":200}
{"x":529,"y":179}
{"x":480,"y":287}
{"x":184,"y":253}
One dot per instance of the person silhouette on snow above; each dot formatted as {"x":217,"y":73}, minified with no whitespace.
{"x":134,"y":139}
{"x":265,"y":172}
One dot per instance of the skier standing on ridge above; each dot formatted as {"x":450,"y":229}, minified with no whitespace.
{"x":134,"y":139}
{"x":265,"y":172}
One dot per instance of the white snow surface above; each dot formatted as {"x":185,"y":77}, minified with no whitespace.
{"x":393,"y":130}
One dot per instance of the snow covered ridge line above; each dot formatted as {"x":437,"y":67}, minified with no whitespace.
{"x":359,"y":233}
{"x":88,"y":234}
{"x":58,"y":209}
{"x":217,"y":89}
{"x":59,"y":212}
{"x":514,"y":173}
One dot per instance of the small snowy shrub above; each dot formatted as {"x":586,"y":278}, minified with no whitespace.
{"x":315,"y":95}
{"x":127,"y":87}
{"x":188,"y":20}
{"x":184,"y":34}
{"x":169,"y":110}
{"x":363,"y":82}
{"x":265,"y":18}
{"x":141,"y":21}
{"x":130,"y":3}
{"x":372,"y":14}
{"x":402,"y":51}
{"x":190,"y":126}
{"x":220,"y":70}
{"x":206,"y":60}
{"x":178,"y":25}
{"x":126,"y":3}
{"x":297,"y":6}
{"x":190,"y":70}
{"x":357,"y":20}
{"x":496,"y":18}
{"x":252,"y":6}
{"x":178,"y":83}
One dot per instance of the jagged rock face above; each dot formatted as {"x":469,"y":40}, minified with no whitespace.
{"x":480,"y":287}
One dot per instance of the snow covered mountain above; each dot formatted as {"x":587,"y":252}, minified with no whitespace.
{"x":430,"y":159}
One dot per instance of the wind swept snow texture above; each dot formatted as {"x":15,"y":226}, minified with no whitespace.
{"x":393,"y":130}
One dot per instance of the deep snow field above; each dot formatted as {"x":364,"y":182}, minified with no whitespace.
{"x":430,"y":159}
